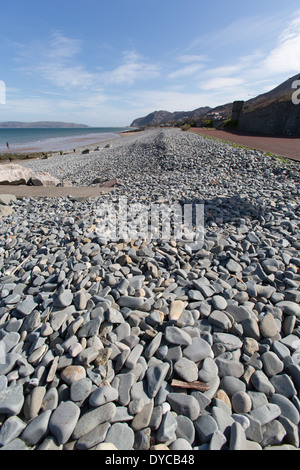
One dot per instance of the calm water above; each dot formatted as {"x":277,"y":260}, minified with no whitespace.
{"x":39,"y":140}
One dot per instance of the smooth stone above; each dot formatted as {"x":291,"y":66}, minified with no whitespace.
{"x":229,"y":341}
{"x":93,"y":438}
{"x":185,"y":429}
{"x":153,"y":346}
{"x":238,"y":440}
{"x":251,"y":328}
{"x":64,"y":299}
{"x":90,"y":328}
{"x":283,"y":385}
{"x":142,"y":419}
{"x":238,"y":312}
{"x":220,"y":319}
{"x":63,"y":421}
{"x":11,"y":429}
{"x":272,"y":365}
{"x":186,"y":369}
{"x":205,"y":427}
{"x":26,"y":306}
{"x":134,"y":355}
{"x":11,"y":400}
{"x":8,"y":361}
{"x":131,"y":302}
{"x":92,"y":418}
{"x":124,"y":390}
{"x":218,"y":441}
{"x":180,"y":444}
{"x":233,"y":266}
{"x":268,"y":326}
{"x":208,"y":370}
{"x":50,"y":400}
{"x":266,"y":413}
{"x":175,"y":335}
{"x":261,"y":383}
{"x":273,"y":434}
{"x":231,"y":385}
{"x":155,"y":376}
{"x":80,"y":389}
{"x":223,"y":419}
{"x":176,"y":309}
{"x":290,"y":308}
{"x":34,"y":402}
{"x":72,"y":374}
{"x":102,"y":395}
{"x":229,"y":367}
{"x":80,"y":300}
{"x":288,"y":409}
{"x":167,"y":428}
{"x":219,"y":302}
{"x":120,"y":435}
{"x":185,"y":405}
{"x":11,"y":340}
{"x":292,"y":342}
{"x":198,"y":350}
{"x":241,"y":402}
{"x":106,"y":446}
{"x":37,"y":429}
{"x":49,"y":443}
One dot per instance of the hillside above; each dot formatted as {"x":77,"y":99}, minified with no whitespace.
{"x":283,"y":92}
{"x":40,"y":125}
{"x":280,"y":94}
{"x":272,"y":113}
{"x":160,"y":117}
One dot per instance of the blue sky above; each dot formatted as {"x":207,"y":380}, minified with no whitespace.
{"x":107,"y":63}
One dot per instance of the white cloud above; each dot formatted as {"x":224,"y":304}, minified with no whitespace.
{"x":186,"y":71}
{"x":188,"y":58}
{"x":220,"y":83}
{"x":133,"y":68}
{"x":285,"y":57}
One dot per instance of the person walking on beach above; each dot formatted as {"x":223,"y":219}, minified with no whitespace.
{"x":7,"y":145}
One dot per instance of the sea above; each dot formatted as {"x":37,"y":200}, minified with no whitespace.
{"x":54,"y":140}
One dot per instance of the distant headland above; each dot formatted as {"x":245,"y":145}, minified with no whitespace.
{"x":41,"y":125}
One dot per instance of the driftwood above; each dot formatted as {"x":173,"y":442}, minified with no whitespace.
{"x":202,"y":387}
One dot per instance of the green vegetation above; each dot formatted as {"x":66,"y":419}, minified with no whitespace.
{"x":208,"y":123}
{"x":230,"y":124}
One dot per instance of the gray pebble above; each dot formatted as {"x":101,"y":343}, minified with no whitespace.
{"x":63,"y":421}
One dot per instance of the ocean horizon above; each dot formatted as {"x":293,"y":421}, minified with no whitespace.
{"x":56,"y":139}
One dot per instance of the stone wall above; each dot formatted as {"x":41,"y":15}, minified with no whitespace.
{"x":281,"y":118}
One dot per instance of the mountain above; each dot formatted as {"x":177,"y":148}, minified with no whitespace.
{"x":278,"y":100}
{"x":282,"y":92}
{"x":40,"y":125}
{"x":272,"y":113}
{"x":160,"y":117}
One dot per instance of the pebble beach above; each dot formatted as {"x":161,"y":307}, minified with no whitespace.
{"x":110,"y":343}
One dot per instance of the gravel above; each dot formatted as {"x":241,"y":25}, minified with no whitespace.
{"x":120,"y":343}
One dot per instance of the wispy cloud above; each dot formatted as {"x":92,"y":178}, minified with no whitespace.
{"x":259,"y":70}
{"x":133,"y":68}
{"x":285,"y":57}
{"x":186,"y":71}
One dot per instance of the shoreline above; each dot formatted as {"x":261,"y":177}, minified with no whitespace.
{"x":68,"y":143}
{"x":35,"y":154}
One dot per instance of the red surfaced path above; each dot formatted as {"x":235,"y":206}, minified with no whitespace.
{"x":279,"y":145}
